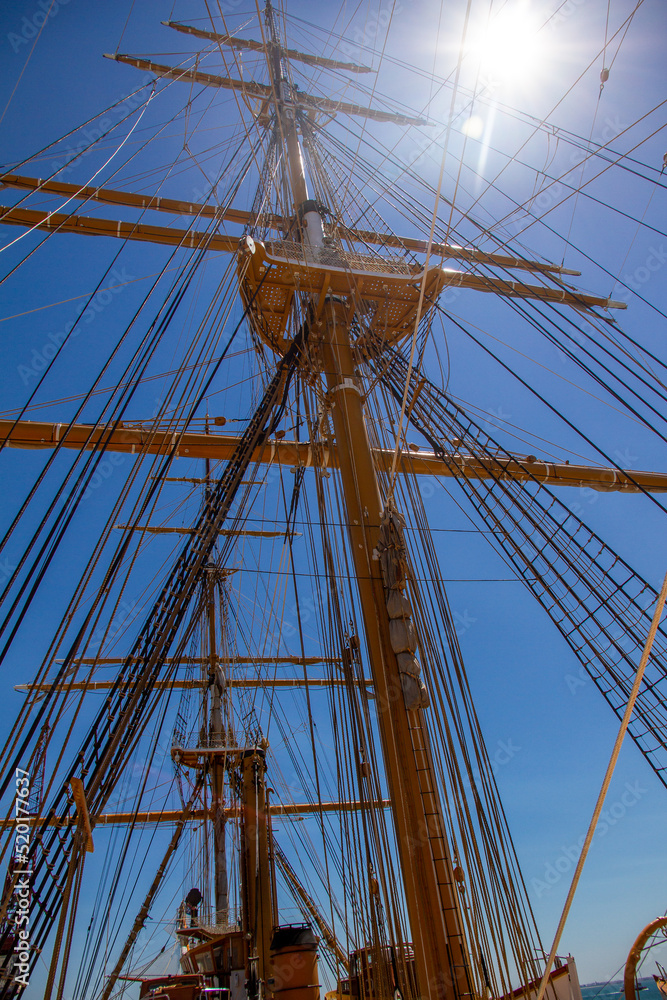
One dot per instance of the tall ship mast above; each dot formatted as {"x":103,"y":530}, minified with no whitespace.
{"x":247,"y":761}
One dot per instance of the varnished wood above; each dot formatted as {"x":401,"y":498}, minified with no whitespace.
{"x":250,"y":43}
{"x":174,"y":815}
{"x":132,"y":440}
{"x":279,"y":223}
{"x":263,"y":93}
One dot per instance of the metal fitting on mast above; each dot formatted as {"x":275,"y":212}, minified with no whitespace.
{"x":312,"y":228}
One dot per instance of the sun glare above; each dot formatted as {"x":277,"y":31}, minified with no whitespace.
{"x":473,"y":127}
{"x":507,"y":48}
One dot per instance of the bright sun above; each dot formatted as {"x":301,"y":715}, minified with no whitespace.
{"x":508,"y":47}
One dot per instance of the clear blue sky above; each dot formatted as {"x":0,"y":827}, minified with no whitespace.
{"x":529,"y":693}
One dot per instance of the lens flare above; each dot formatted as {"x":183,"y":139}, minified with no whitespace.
{"x":473,"y":127}
{"x":508,"y":47}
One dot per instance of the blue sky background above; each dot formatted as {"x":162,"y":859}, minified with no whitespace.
{"x":548,"y":728}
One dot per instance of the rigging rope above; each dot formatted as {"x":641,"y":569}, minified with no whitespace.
{"x":593,"y":596}
{"x":625,"y":721}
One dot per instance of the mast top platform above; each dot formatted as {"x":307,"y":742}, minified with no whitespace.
{"x":202,"y":756}
{"x":382,"y":290}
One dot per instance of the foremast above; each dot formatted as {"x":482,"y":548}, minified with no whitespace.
{"x":258,"y":890}
{"x":442,"y":963}
{"x":217,"y":757}
{"x":217,"y":737}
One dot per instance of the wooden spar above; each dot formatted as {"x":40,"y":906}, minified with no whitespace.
{"x":281,"y":809}
{"x":277,"y":222}
{"x":186,"y":239}
{"x":453,"y":252}
{"x":249,"y":43}
{"x":218,"y":447}
{"x":152,"y":529}
{"x":299,"y":661}
{"x":174,"y":815}
{"x":189,"y":239}
{"x":174,"y":206}
{"x":79,"y":796}
{"x":185,"y":685}
{"x":264,"y":93}
{"x":258,"y":918}
{"x":430,"y":890}
{"x":216,"y":772}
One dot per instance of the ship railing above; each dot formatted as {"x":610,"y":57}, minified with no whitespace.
{"x":333,"y":255}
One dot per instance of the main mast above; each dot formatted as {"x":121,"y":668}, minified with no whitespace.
{"x":430,"y":889}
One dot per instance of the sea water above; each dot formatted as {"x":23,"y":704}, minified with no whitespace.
{"x":606,"y":991}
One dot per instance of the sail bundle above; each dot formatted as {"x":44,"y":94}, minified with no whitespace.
{"x":391,"y":553}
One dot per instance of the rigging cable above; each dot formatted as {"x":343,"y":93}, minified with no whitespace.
{"x":605,"y":786}
{"x":422,"y":289}
{"x":46,"y":17}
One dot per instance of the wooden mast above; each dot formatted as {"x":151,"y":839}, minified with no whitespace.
{"x":217,"y":738}
{"x":430,"y":893}
{"x":257,"y":891}
{"x":131,"y":439}
{"x":425,"y":858}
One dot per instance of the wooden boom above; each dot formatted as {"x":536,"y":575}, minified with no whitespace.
{"x":173,"y":815}
{"x":249,"y":43}
{"x":175,"y":206}
{"x":263,"y":93}
{"x":219,"y":447}
{"x":191,"y":239}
